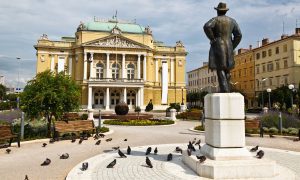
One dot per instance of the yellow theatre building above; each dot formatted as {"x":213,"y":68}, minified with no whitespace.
{"x":116,"y":61}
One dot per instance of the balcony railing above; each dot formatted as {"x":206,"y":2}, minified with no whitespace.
{"x":116,"y":80}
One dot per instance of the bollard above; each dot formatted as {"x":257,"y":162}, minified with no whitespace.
{"x":280,"y":122}
{"x":22,"y":125}
{"x":99,"y":121}
{"x":173,"y":114}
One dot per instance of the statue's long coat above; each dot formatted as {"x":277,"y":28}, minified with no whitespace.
{"x":225,"y":35}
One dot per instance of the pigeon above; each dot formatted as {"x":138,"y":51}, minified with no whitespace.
{"x":84,"y":166}
{"x":80,"y":141}
{"x":155,"y":151}
{"x":96,"y":136}
{"x":112,"y":164}
{"x":8,"y":151}
{"x":254,"y":149}
{"x":26,"y":177}
{"x":260,"y":154}
{"x":198,"y":142}
{"x":128,"y":150}
{"x":101,"y":135}
{"x":73,"y":140}
{"x":44,"y":144}
{"x":85,"y":137}
{"x":121,"y":154}
{"x":271,"y":135}
{"x":64,"y":156}
{"x":116,"y":147}
{"x":191,"y":146}
{"x":295,"y":140}
{"x":189,"y":152}
{"x":170,"y":157}
{"x":51,"y":141}
{"x":194,"y":141}
{"x":148,"y":162}
{"x":199,"y":146}
{"x":148,"y":151}
{"x":178,"y":149}
{"x":125,"y":139}
{"x":109,"y":139}
{"x":46,"y":162}
{"x":98,"y":142}
{"x":201,"y":158}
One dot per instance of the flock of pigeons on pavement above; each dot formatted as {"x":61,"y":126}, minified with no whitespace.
{"x":190,"y":148}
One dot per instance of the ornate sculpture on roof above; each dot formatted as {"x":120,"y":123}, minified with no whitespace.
{"x":81,"y":26}
{"x":44,"y":37}
{"x":116,"y":30}
{"x":148,"y":30}
{"x":179,"y":44}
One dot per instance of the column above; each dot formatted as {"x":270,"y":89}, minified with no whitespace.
{"x":90,"y":98}
{"x":139,"y":67}
{"x":52,"y":63}
{"x":142,"y":97}
{"x":70,"y":65}
{"x":172,"y":70}
{"x":156,"y":70}
{"x":85,"y":65}
{"x":123,"y":67}
{"x":108,"y":75}
{"x":125,"y":95}
{"x":91,"y":65}
{"x":137,"y":100}
{"x":107,"y":99}
{"x":145,"y":68}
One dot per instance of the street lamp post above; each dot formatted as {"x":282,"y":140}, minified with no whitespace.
{"x":182,"y":96}
{"x":262,"y":93}
{"x":291,"y":87}
{"x":269,"y":92}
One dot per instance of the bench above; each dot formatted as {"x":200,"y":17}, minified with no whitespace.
{"x":252,"y":124}
{"x":6,"y":133}
{"x":73,"y":126}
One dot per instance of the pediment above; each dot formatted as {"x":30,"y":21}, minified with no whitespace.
{"x":115,"y":41}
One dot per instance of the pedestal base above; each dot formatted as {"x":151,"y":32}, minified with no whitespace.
{"x":225,"y":153}
{"x":232,"y":169}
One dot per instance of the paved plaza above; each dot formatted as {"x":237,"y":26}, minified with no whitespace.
{"x":27,"y":159}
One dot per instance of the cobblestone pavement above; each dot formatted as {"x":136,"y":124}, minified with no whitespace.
{"x":27,"y":159}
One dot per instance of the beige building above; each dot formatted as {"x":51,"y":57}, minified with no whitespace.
{"x":277,"y":63}
{"x":202,"y":79}
{"x":116,"y":61}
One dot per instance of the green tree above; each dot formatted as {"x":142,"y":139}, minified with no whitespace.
{"x":50,"y":95}
{"x":2,"y":91}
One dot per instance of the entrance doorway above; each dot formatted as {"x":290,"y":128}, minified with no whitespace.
{"x":131,"y":99}
{"x":114,"y":98}
{"x":99,"y":99}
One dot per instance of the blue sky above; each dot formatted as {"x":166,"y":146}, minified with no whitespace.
{"x":22,"y":22}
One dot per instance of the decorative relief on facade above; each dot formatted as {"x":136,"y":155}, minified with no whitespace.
{"x":179,"y":63}
{"x":148,"y":30}
{"x":115,"y":42}
{"x":42,"y":58}
{"x":81,"y":26}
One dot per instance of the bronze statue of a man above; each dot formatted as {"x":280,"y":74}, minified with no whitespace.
{"x":224,"y":35}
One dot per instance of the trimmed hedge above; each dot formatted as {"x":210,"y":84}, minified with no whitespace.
{"x":199,"y":128}
{"x":148,"y":122}
{"x":104,"y":129}
{"x":192,"y":115}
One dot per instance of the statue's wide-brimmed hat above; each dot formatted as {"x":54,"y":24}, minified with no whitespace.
{"x":221,"y":7}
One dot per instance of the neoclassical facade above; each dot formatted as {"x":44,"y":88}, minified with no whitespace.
{"x":116,"y":61}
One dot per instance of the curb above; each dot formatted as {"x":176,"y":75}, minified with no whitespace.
{"x":193,"y":130}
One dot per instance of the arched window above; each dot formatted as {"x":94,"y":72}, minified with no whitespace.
{"x":99,"y":71}
{"x":115,"y":70}
{"x":130,"y":71}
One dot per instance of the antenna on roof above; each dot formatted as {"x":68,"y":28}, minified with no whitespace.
{"x":282,"y":26}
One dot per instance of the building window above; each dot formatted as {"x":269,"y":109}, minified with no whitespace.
{"x":240,"y":72}
{"x":270,"y":67}
{"x":285,"y":64}
{"x":115,"y":71}
{"x":99,"y":71}
{"x":277,"y":50}
{"x":263,"y":68}
{"x":277,"y":65}
{"x":245,"y":72}
{"x":257,"y":83}
{"x":264,"y":54}
{"x":285,"y":79}
{"x":285,"y":48}
{"x":130,"y":71}
{"x":257,"y":69}
{"x":250,"y":70}
{"x":277,"y":80}
{"x":270,"y":81}
{"x":270,"y":52}
{"x":257,"y":55}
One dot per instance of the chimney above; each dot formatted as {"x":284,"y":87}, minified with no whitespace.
{"x":284,"y":36}
{"x":297,"y":31}
{"x":250,"y":47}
{"x":205,"y":63}
{"x":265,"y":41}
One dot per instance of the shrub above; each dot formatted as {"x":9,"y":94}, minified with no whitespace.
{"x":71,"y":117}
{"x":148,"y":122}
{"x":273,"y":130}
{"x":192,"y":115}
{"x":266,"y":130}
{"x":32,"y":130}
{"x":103,"y":129}
{"x":199,"y":128}
{"x":149,"y":106}
{"x":249,"y":131}
{"x":137,"y":109}
{"x":84,"y":117}
{"x":285,"y":131}
{"x":174,"y":106}
{"x":272,"y":120}
{"x":293,"y":131}
{"x":121,"y":108}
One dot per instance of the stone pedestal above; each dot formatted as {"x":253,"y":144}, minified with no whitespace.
{"x":90,"y":114}
{"x":225,"y":142}
{"x":173,"y":114}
